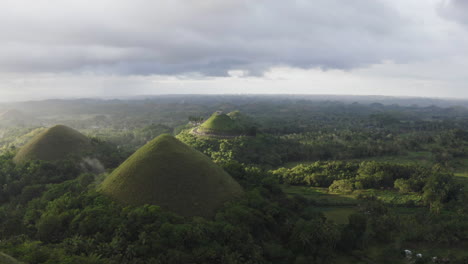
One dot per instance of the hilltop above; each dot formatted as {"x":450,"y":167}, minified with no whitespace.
{"x":168,"y":173}
{"x":55,"y":143}
{"x":231,"y":124}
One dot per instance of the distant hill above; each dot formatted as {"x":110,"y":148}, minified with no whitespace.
{"x":220,"y":123}
{"x":232,"y":124}
{"x":11,"y":114}
{"x":168,"y":173}
{"x":15,"y":117}
{"x":55,"y":143}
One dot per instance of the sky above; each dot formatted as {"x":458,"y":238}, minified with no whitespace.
{"x":114,"y":48}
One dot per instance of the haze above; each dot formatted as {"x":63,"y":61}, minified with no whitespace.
{"x":111,"y":48}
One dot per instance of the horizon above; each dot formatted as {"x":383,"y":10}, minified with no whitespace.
{"x":309,"y":96}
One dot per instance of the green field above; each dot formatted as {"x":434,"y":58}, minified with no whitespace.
{"x":338,"y":207}
{"x":338,"y":214}
{"x":423,"y":158}
{"x":321,"y":196}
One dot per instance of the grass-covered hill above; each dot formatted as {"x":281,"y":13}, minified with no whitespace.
{"x":221,"y":123}
{"x":168,"y":173}
{"x":231,"y":124}
{"x":55,"y":143}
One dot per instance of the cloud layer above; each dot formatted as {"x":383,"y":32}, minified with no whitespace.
{"x":456,"y":10}
{"x":209,"y":37}
{"x":79,"y":48}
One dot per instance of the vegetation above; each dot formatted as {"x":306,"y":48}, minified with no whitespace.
{"x":323,"y":182}
{"x":170,"y":174}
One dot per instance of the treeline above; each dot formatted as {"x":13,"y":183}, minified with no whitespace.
{"x":436,"y":185}
{"x":70,"y":222}
{"x":270,"y":150}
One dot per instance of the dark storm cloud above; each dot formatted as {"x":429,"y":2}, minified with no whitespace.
{"x":209,"y":37}
{"x":456,"y":10}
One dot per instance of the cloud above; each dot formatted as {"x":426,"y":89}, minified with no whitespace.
{"x":455,"y":10}
{"x":211,"y":37}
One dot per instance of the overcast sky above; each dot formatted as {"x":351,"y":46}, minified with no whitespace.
{"x":87,"y":48}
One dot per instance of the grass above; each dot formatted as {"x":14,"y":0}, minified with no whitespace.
{"x":321,"y":196}
{"x":461,"y":171}
{"x":423,"y":158}
{"x":168,"y":173}
{"x":392,"y":196}
{"x":338,"y":214}
{"x":462,"y":177}
{"x":55,"y":143}
{"x":338,"y":207}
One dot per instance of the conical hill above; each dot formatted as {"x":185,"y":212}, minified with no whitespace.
{"x":221,"y":124}
{"x":168,"y":173}
{"x":55,"y":143}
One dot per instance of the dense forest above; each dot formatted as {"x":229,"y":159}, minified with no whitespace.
{"x":325,"y":180}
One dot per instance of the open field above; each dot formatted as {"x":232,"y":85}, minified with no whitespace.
{"x":338,"y":214}
{"x":321,"y":196}
{"x":423,"y":158}
{"x":338,"y":207}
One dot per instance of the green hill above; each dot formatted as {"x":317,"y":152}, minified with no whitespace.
{"x":220,"y":123}
{"x":168,"y":173}
{"x":232,"y":124}
{"x":55,"y":143}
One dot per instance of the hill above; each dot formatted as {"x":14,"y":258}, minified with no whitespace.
{"x":219,"y":123}
{"x":15,"y":117}
{"x":168,"y":173}
{"x":232,"y":124}
{"x":55,"y":143}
